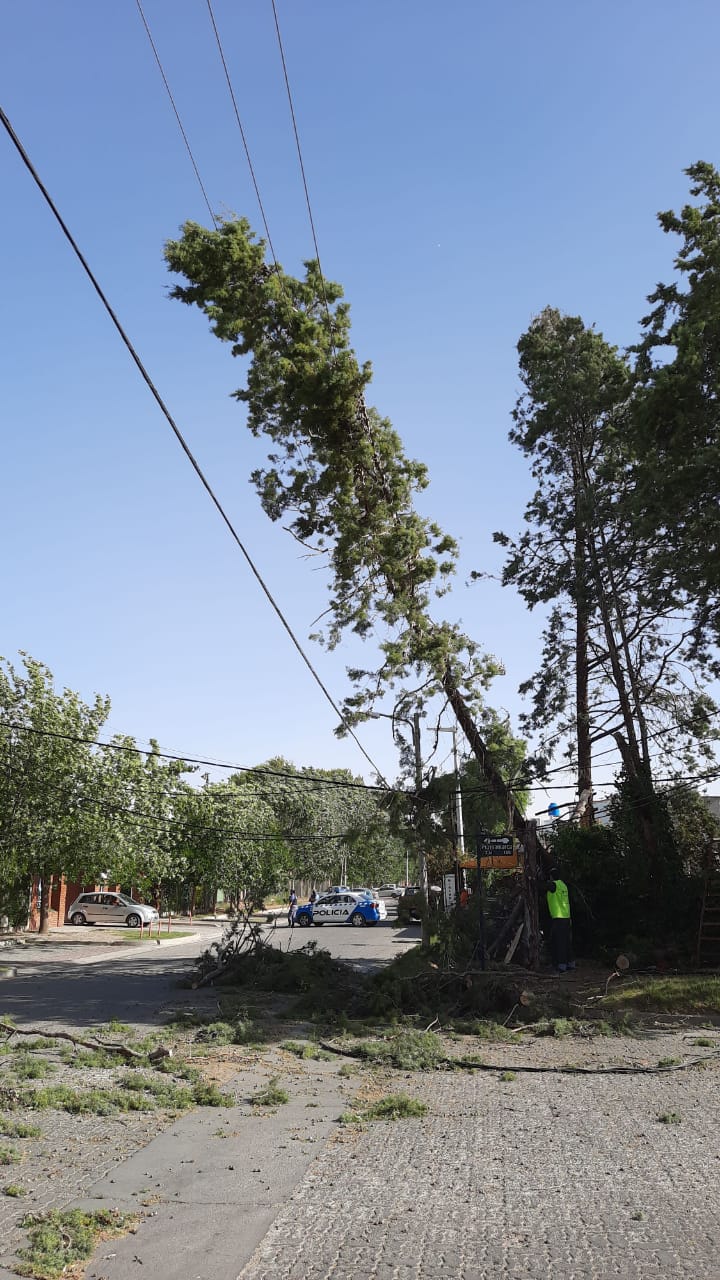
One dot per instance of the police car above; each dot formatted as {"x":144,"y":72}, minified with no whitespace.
{"x":342,"y":908}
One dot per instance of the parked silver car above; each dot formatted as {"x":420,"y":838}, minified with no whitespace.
{"x":110,"y":908}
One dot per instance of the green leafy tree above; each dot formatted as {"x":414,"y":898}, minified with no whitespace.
{"x":49,"y":824}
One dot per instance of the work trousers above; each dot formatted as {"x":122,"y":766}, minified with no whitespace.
{"x":561,"y":943}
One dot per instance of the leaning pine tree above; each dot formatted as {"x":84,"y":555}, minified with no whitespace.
{"x":337,"y":474}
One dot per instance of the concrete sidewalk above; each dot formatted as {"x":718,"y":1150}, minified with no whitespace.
{"x":212,"y":1183}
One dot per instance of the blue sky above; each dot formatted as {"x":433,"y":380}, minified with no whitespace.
{"x":468,"y":164}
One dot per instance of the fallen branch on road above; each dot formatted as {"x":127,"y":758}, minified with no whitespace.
{"x":109,"y":1046}
{"x":464,"y":1064}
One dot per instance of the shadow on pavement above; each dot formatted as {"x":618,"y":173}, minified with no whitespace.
{"x":131,"y":990}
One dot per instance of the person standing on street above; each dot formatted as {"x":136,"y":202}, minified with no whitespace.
{"x":292,"y":908}
{"x":558,"y":902}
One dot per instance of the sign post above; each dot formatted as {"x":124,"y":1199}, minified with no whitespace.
{"x":450,"y":892}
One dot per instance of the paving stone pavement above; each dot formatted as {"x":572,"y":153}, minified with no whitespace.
{"x":565,"y":1176}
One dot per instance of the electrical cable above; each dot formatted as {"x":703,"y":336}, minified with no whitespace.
{"x":177,"y":113}
{"x":235,"y":768}
{"x":178,"y":434}
{"x":251,"y":167}
{"x":300,"y":159}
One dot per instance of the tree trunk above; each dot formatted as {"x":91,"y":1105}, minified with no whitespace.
{"x":582,"y":674}
{"x":491,"y":774}
{"x":45,"y":891}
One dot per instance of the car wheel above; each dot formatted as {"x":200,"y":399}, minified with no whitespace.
{"x":358,"y":920}
{"x":133,"y":921}
{"x":304,"y":922}
{"x":77,"y":918}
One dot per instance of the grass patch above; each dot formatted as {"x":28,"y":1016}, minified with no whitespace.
{"x":669,"y":1117}
{"x":241,"y":1031}
{"x":405,"y":1049}
{"x":486,"y":1029}
{"x":508,"y":1076}
{"x":668,"y":1062}
{"x":394,"y":1106}
{"x":9,"y":1155}
{"x":272,"y":1095}
{"x":81,"y":1058}
{"x":14,"y":1191}
{"x":136,"y":1092}
{"x":216,"y":1033}
{"x":119,"y":1028}
{"x":558,"y":1027}
{"x":58,"y":1241}
{"x":704,"y":1042}
{"x":689,"y":993}
{"x":348,"y":1069}
{"x":208,"y":1095}
{"x":306,"y":1050}
{"x":26,"y":1067}
{"x":17,"y":1129}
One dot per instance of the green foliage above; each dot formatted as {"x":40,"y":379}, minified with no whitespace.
{"x":394,"y":1106}
{"x":271,"y":1095}
{"x":218,"y":1033}
{"x":306,"y":1050}
{"x":17,"y":1129}
{"x":676,"y":421}
{"x":9,"y":1155}
{"x":26,"y":1067}
{"x":482,"y":810}
{"x":557,"y":1027}
{"x":620,"y":659}
{"x":686,"y":993}
{"x":337,"y":474}
{"x":404,"y":1049}
{"x":12,"y":1189}
{"x":670,"y":1117}
{"x":507,"y":1077}
{"x":59,"y":1240}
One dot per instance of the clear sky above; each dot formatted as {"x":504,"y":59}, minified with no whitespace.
{"x":469,"y":163}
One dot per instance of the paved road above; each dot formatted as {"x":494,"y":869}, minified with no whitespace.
{"x":82,"y":988}
{"x":367,"y":948}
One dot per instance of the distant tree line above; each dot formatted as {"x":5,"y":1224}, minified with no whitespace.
{"x":72,"y":807}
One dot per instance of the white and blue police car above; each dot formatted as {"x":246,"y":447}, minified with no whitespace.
{"x":342,"y":908}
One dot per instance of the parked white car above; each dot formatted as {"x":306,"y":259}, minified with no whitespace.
{"x":110,"y":908}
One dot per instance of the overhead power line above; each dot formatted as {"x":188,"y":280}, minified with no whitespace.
{"x":178,"y":434}
{"x":299,"y":153}
{"x":233,"y":99}
{"x":215,"y":764}
{"x":177,"y":113}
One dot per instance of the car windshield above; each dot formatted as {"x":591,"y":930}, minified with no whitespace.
{"x":126,"y":902}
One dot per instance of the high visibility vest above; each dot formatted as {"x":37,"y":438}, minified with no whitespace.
{"x":559,"y":901}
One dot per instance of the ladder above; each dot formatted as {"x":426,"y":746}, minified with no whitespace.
{"x":708,"y":943}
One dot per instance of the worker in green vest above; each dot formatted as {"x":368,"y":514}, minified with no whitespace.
{"x":558,"y":903}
